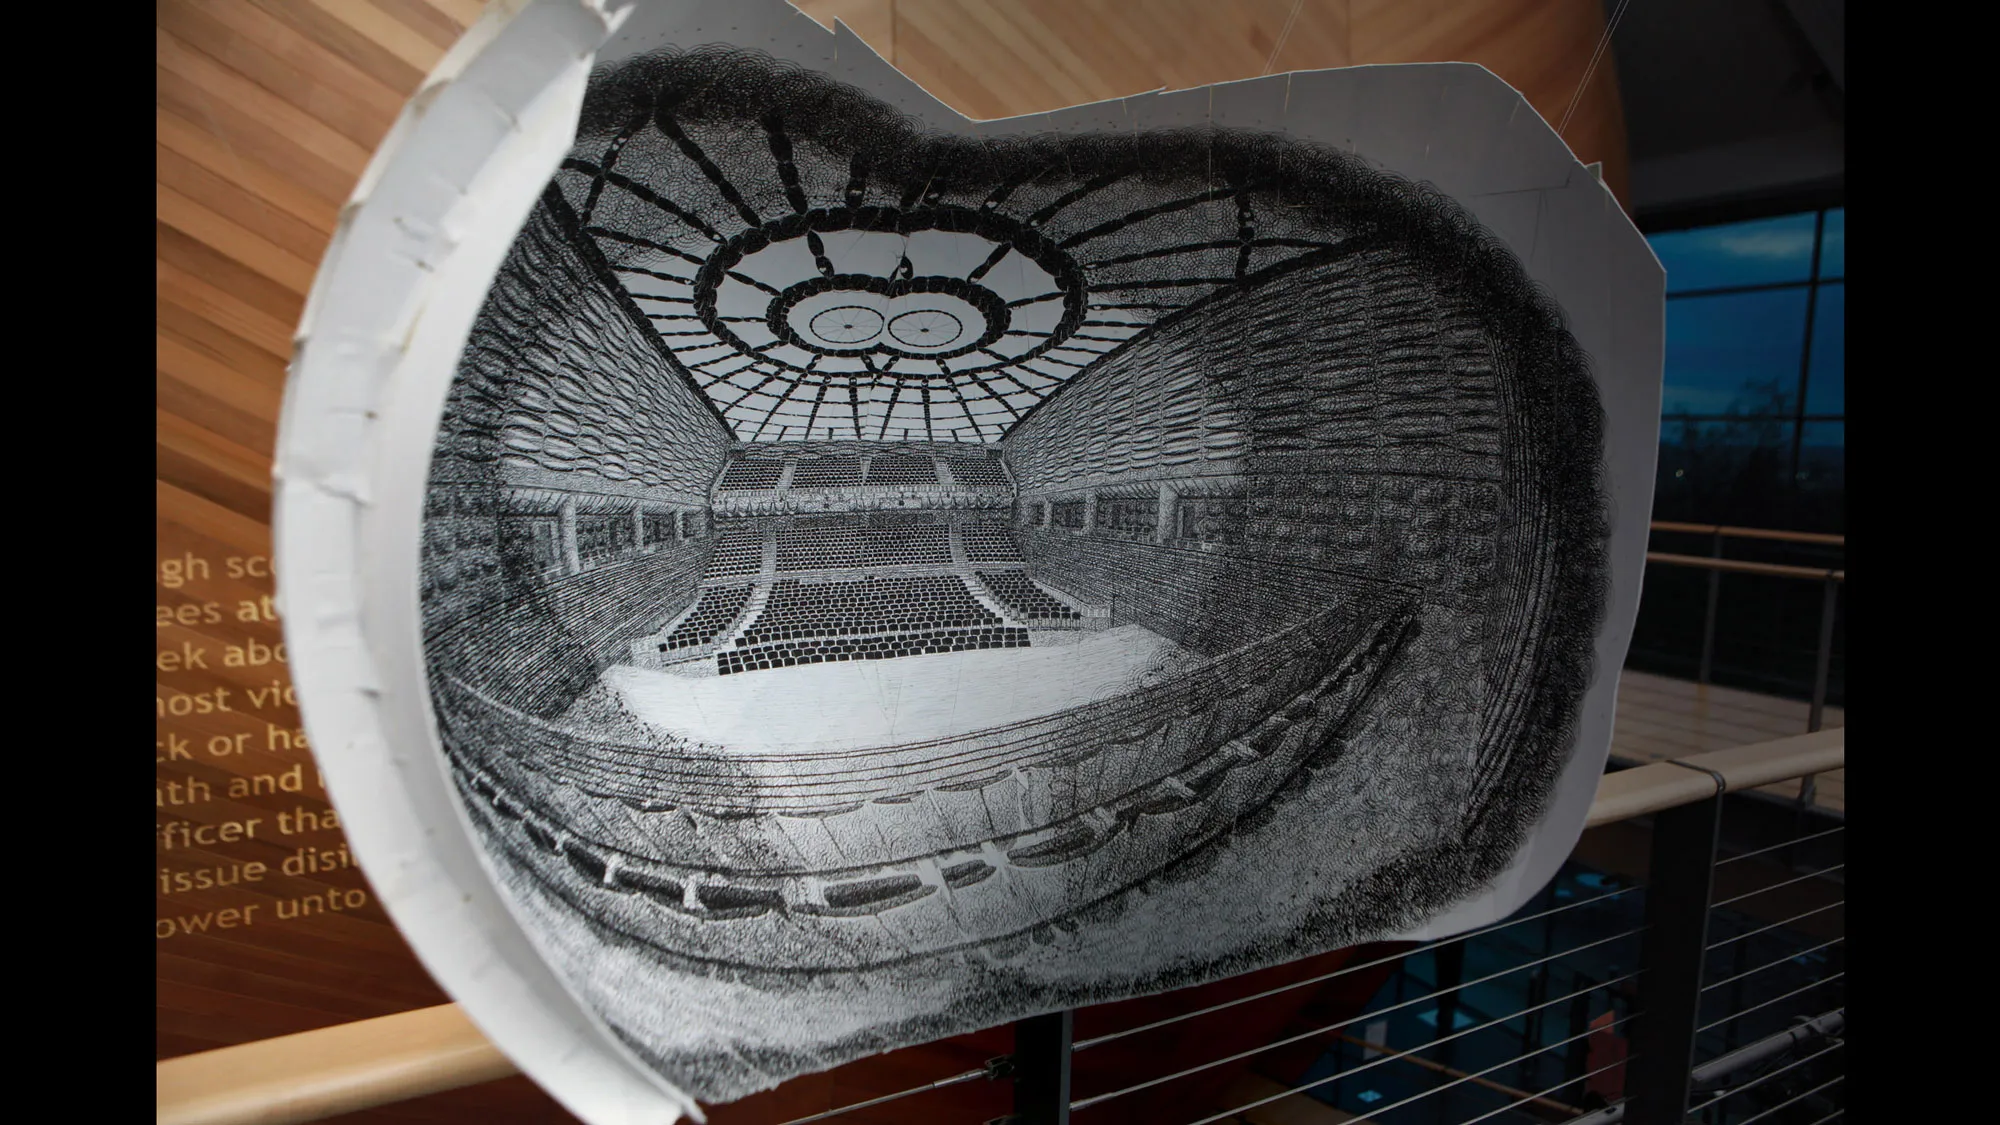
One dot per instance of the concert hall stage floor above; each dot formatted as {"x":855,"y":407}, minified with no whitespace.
{"x":876,"y":702}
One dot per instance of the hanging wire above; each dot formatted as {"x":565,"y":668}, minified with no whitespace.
{"x":1773,"y":1000}
{"x":1596,"y":57}
{"x":1763,"y":1078}
{"x":1341,"y":972}
{"x":1772,"y":964}
{"x":1283,"y":35}
{"x":1369,"y":1065}
{"x":954,"y":1080}
{"x":1762,"y":1114}
{"x":1783,"y":846}
{"x":1774,"y":886}
{"x":1426,"y":998}
{"x":1841,"y":1112}
{"x":1776,"y":925}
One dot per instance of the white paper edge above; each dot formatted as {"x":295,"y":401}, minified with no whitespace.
{"x":417,"y":247}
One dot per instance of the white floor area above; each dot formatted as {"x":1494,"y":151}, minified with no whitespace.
{"x":839,"y":706}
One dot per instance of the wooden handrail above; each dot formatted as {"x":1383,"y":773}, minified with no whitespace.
{"x":1745,"y":566}
{"x":1728,"y":532}
{"x":317,"y":1074}
{"x":334,"y":1070}
{"x":1665,"y":785}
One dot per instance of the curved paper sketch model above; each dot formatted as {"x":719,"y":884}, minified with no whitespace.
{"x":881,"y":579}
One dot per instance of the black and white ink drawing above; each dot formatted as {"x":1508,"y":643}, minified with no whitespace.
{"x":881,"y":582}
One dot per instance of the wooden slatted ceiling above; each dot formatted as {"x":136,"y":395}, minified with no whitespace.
{"x":266,"y":114}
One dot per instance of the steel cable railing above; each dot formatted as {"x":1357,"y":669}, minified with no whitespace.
{"x":1793,"y":843}
{"x":1820,"y":874}
{"x":1347,"y":969}
{"x":1769,"y":965}
{"x":1777,"y":925}
{"x":1757,"y":771}
{"x":1763,"y":1078}
{"x":1438,"y":1089}
{"x":1370,"y":1064}
{"x":1800,"y":991}
{"x":1794,"y":1099}
{"x":993,"y":1069}
{"x":1302,"y":1036}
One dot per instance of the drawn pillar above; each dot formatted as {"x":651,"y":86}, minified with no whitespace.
{"x":639,"y":530}
{"x":1089,"y":513}
{"x":1163,"y":529}
{"x":566,"y":519}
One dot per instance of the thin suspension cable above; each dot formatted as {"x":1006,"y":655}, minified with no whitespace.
{"x":1151,"y":1082}
{"x":1772,"y":964}
{"x":1774,"y":886}
{"x":1771,"y":1001}
{"x":954,"y":1080}
{"x":1841,"y":1112}
{"x":1283,"y":34}
{"x":1341,"y":972}
{"x":1763,"y":1078}
{"x":1776,"y":925}
{"x":1590,"y":71}
{"x":1780,"y":847}
{"x":1834,"y":1081}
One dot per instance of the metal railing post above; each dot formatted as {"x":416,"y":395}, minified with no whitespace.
{"x":1679,"y":882}
{"x":1708,"y":618}
{"x":1825,"y":656}
{"x":1822,"y":671}
{"x":1042,"y":1048}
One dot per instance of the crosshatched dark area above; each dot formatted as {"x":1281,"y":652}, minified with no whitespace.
{"x":879,"y":584}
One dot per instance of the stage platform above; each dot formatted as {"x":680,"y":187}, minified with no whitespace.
{"x":873,"y":703}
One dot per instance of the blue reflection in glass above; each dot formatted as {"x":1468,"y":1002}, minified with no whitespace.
{"x":1735,"y":353}
{"x":1833,"y":244}
{"x":1826,"y":388}
{"x":1759,"y":252}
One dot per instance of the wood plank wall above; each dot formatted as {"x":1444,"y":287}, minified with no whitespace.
{"x":266,"y":114}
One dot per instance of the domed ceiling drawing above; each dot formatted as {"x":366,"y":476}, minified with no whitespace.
{"x":885,"y":575}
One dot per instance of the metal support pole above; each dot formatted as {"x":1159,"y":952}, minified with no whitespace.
{"x":1450,"y":974}
{"x":1825,"y":667}
{"x":1042,"y":1047}
{"x":1708,"y":618}
{"x":1809,"y":785}
{"x":1577,"y":1055}
{"x":1678,"y":890}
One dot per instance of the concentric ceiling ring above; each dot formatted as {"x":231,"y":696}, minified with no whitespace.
{"x":932,"y":317}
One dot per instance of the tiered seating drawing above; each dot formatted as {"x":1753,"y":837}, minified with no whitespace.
{"x":714,"y":611}
{"x":1015,"y":590}
{"x":866,"y":619}
{"x":837,"y":547}
{"x":977,"y":472}
{"x":785,"y":654}
{"x":827,"y":472}
{"x":737,"y":551}
{"x":902,"y":469}
{"x":865,"y":606}
{"x":751,"y":475}
{"x":990,"y":541}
